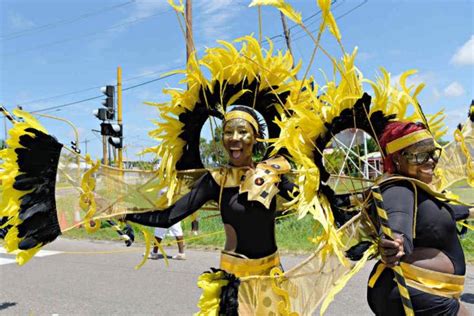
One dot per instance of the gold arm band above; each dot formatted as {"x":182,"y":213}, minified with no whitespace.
{"x":241,"y":115}
{"x":407,"y":140}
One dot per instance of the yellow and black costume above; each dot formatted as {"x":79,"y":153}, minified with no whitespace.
{"x":424,"y":221}
{"x":246,"y":200}
{"x":28,"y":204}
{"x":302,"y":118}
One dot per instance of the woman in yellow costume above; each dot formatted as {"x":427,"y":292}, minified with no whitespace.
{"x":245,"y":190}
{"x":426,"y":243}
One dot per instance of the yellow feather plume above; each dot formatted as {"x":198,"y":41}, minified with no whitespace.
{"x":281,"y":5}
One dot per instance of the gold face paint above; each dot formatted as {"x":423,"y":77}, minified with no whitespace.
{"x":423,"y":172}
{"x":238,"y":140}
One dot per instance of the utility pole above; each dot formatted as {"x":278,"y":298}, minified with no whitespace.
{"x":85,"y":142}
{"x":189,"y":29}
{"x":287,"y":36}
{"x":189,"y":52}
{"x":104,"y":150}
{"x":119,"y":113}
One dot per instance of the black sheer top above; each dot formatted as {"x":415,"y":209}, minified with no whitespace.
{"x":253,"y":223}
{"x":435,"y":221}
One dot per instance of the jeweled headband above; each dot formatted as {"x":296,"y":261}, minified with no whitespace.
{"x":241,"y":115}
{"x":407,"y":140}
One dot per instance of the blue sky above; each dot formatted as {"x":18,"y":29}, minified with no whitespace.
{"x":51,"y":48}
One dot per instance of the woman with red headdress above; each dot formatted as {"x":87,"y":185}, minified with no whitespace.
{"x":426,"y":244}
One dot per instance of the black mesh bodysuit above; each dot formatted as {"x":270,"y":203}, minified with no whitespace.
{"x":435,"y":228}
{"x":253,"y":223}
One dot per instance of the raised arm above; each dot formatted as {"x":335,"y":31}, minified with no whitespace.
{"x":205,"y":189}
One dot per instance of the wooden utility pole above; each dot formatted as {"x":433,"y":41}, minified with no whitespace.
{"x":85,"y":142}
{"x":119,"y":113}
{"x":189,"y":30}
{"x":104,"y":150}
{"x":287,"y":36}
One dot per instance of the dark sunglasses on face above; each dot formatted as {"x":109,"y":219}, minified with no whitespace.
{"x":423,"y":157}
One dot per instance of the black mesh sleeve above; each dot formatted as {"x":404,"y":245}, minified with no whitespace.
{"x":399,"y":203}
{"x":205,"y":189}
{"x":285,"y":186}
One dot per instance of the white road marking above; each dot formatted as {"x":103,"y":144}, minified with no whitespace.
{"x":6,"y":261}
{"x":7,"y":258}
{"x":44,"y":253}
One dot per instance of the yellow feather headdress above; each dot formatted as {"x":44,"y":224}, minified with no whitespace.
{"x":224,"y":76}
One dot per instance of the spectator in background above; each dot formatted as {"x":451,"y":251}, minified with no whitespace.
{"x":175,"y":231}
{"x":195,"y":226}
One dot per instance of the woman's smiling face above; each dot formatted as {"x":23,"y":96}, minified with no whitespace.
{"x":407,"y":165}
{"x":239,"y":139}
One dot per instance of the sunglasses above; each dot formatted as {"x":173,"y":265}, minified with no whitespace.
{"x":423,"y":157}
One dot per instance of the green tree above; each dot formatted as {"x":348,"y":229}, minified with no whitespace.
{"x":2,"y":144}
{"x":334,"y":160}
{"x":443,"y":142}
{"x":212,"y":152}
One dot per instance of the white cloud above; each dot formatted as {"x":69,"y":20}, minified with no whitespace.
{"x":427,"y":78}
{"x":149,"y":95}
{"x":160,"y":69}
{"x":218,"y":16}
{"x":436,"y":94}
{"x":18,"y":22}
{"x":455,"y":89}
{"x":457,"y":114}
{"x":141,"y":10}
{"x":363,"y":56}
{"x":465,"y":54}
{"x":146,"y":8}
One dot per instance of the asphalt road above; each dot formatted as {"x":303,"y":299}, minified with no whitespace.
{"x":98,"y":278}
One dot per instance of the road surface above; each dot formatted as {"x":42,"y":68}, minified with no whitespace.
{"x":98,"y":278}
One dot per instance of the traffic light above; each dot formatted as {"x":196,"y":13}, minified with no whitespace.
{"x":100,"y":113}
{"x":109,"y":92}
{"x":114,"y":131}
{"x":107,"y":113}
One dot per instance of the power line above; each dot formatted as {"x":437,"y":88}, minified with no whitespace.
{"x":58,"y":96}
{"x":334,"y":5}
{"x":338,"y":17}
{"x":43,"y":27}
{"x":317,"y":13}
{"x":20,"y":51}
{"x":336,"y":2}
{"x":56,"y":107}
{"x":147,"y":82}
{"x":67,"y":104}
{"x":333,"y":9}
{"x":87,"y":89}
